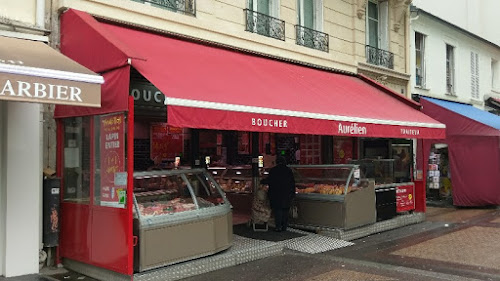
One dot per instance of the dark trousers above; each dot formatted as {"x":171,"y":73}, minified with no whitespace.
{"x":281,"y":217}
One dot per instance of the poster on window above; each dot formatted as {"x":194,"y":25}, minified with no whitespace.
{"x":342,"y":150}
{"x":166,"y":141}
{"x":112,"y":133}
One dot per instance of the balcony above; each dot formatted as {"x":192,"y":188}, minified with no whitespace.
{"x":311,"y":38}
{"x":181,"y":6}
{"x":379,"y":57}
{"x":264,"y":25}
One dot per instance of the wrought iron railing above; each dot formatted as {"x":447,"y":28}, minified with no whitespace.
{"x":311,"y":38}
{"x":265,"y":25}
{"x":379,"y":57}
{"x":187,"y":7}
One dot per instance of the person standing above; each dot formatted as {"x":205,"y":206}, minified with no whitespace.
{"x":281,"y":192}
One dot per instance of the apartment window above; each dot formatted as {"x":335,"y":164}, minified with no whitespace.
{"x":310,"y":14}
{"x":420,"y":59}
{"x":495,"y":79}
{"x":377,"y":24}
{"x":181,"y":6}
{"x":474,"y":75}
{"x":310,"y":19}
{"x":450,"y":69}
{"x":262,"y":18}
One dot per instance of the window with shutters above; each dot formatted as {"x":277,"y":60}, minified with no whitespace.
{"x":450,"y":70}
{"x":420,"y":59}
{"x":310,"y":19}
{"x":474,"y":75}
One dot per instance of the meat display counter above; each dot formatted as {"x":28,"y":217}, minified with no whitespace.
{"x":179,"y":215}
{"x":237,"y":182}
{"x":333,"y":196}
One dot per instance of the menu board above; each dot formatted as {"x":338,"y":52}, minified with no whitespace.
{"x":112,"y":134}
{"x":166,"y":141}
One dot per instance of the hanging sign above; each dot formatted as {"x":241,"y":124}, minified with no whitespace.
{"x":112,"y":133}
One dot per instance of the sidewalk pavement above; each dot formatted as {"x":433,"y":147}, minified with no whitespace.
{"x":452,"y":244}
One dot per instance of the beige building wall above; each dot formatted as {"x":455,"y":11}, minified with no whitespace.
{"x":223,"y":21}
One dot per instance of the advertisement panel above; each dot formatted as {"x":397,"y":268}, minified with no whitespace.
{"x":405,"y":198}
{"x":113,"y":174}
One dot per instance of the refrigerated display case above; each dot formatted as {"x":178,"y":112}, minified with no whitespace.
{"x":237,"y":183}
{"x":334,"y":196}
{"x":179,"y":215}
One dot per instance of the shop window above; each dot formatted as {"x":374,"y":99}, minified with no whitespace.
{"x":76,"y":172}
{"x":474,"y":75}
{"x":450,"y":70}
{"x":420,"y":59}
{"x":110,"y":178}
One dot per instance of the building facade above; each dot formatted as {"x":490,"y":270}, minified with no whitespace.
{"x":455,"y":73}
{"x":451,"y":63}
{"x":365,"y":36}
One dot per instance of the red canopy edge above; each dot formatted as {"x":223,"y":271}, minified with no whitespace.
{"x":213,"y":88}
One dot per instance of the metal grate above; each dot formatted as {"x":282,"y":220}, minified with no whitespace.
{"x":379,"y":57}
{"x":311,"y":38}
{"x":315,"y":243}
{"x":264,"y":25}
{"x":187,"y":7}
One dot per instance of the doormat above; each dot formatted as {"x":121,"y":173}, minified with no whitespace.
{"x":270,"y":235}
{"x":315,"y":243}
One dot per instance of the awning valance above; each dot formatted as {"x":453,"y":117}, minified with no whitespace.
{"x":31,"y":71}
{"x":214,"y":88}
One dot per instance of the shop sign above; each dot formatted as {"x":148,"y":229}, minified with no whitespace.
{"x":146,"y":94}
{"x":410,"y":132}
{"x":166,"y":141}
{"x":351,"y":129}
{"x":264,"y":122}
{"x":405,"y":198}
{"x":44,"y":90}
{"x":112,"y":133}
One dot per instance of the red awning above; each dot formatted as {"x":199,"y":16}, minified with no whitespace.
{"x":214,"y":88}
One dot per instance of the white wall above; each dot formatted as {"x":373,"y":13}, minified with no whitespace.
{"x":2,"y":185}
{"x":438,"y":34}
{"x":23,"y":188}
{"x":477,"y":16}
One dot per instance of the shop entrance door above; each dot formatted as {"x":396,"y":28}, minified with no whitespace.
{"x":438,"y":174}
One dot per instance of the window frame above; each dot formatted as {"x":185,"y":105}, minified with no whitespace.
{"x":495,"y":71}
{"x":450,"y":69}
{"x":382,"y":20}
{"x":474,"y":67}
{"x":317,"y":14}
{"x":420,"y":48}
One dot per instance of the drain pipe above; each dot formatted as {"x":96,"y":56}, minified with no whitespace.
{"x":40,"y":14}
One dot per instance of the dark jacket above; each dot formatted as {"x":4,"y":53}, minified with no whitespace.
{"x":281,"y":186}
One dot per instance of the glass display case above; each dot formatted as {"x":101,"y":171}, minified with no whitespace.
{"x":381,"y":170}
{"x":233,"y":178}
{"x":335,"y":196}
{"x":173,"y":209}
